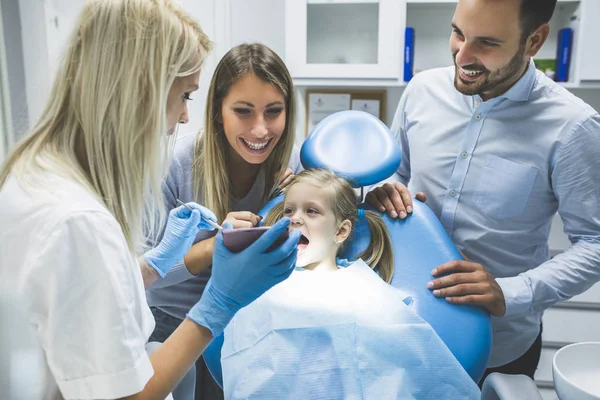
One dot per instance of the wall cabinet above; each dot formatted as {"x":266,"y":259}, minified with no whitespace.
{"x":344,"y":39}
{"x":587,"y":61}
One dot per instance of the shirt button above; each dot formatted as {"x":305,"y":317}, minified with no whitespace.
{"x":478,"y":116}
{"x":464,"y":154}
{"x":453,"y":193}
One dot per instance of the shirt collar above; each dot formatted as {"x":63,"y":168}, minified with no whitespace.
{"x":521,"y":90}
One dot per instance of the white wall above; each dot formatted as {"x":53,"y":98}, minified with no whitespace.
{"x":259,"y":21}
{"x":229,"y":23}
{"x":14,"y":58}
{"x":210,"y":16}
{"x":35,"y":57}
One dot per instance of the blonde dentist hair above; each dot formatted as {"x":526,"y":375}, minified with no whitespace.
{"x":104,"y":125}
{"x":378,"y":254}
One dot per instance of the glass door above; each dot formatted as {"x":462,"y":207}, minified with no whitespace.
{"x":344,"y":38}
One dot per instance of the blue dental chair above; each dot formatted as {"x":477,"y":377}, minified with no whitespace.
{"x":359,"y":147}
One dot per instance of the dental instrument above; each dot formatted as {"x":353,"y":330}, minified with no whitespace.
{"x":211,"y":223}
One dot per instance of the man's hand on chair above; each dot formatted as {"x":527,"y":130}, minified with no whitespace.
{"x":466,"y":282}
{"x":393,"y":198}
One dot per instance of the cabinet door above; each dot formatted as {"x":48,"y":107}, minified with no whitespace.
{"x":344,"y":38}
{"x":589,"y":47}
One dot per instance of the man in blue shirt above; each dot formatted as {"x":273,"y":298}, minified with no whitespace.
{"x":498,"y":148}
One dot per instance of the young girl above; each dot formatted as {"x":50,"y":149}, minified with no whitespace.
{"x":323,"y":206}
{"x":332,"y":332}
{"x":233,"y":168}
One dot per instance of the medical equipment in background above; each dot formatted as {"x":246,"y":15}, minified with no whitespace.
{"x":21,"y":358}
{"x":358,"y":146}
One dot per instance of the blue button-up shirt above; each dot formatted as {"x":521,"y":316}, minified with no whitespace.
{"x":495,"y":173}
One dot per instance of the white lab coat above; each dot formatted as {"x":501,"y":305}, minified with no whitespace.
{"x":67,"y":259}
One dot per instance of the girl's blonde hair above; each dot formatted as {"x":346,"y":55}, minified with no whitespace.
{"x":104,"y":124}
{"x":378,"y":254}
{"x":211,"y":180}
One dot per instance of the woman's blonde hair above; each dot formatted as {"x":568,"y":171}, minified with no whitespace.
{"x":211,"y":180}
{"x":104,"y":124}
{"x":378,"y":254}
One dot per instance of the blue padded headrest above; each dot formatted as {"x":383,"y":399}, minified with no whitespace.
{"x":353,"y":144}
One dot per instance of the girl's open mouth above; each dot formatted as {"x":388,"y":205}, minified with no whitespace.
{"x":303,"y":243}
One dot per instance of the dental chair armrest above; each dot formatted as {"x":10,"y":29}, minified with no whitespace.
{"x":499,"y":386}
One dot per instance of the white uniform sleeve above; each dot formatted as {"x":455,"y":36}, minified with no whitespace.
{"x":87,"y":309}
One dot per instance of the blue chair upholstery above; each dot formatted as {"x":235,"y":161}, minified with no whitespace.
{"x":420,"y":242}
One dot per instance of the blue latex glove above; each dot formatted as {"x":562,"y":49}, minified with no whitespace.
{"x":342,"y":262}
{"x":181,"y":230}
{"x":240,"y":278}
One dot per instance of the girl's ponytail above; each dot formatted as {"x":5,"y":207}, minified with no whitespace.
{"x":378,"y":254}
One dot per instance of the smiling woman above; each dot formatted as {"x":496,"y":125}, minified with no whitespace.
{"x":254,"y":118}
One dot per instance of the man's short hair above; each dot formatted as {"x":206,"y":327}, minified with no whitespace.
{"x":535,"y":13}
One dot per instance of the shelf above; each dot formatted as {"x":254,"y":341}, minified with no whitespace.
{"x":329,"y":82}
{"x":582,"y":85}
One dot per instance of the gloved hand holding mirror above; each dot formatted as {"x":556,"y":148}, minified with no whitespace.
{"x":240,"y":278}
{"x":237,"y":240}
